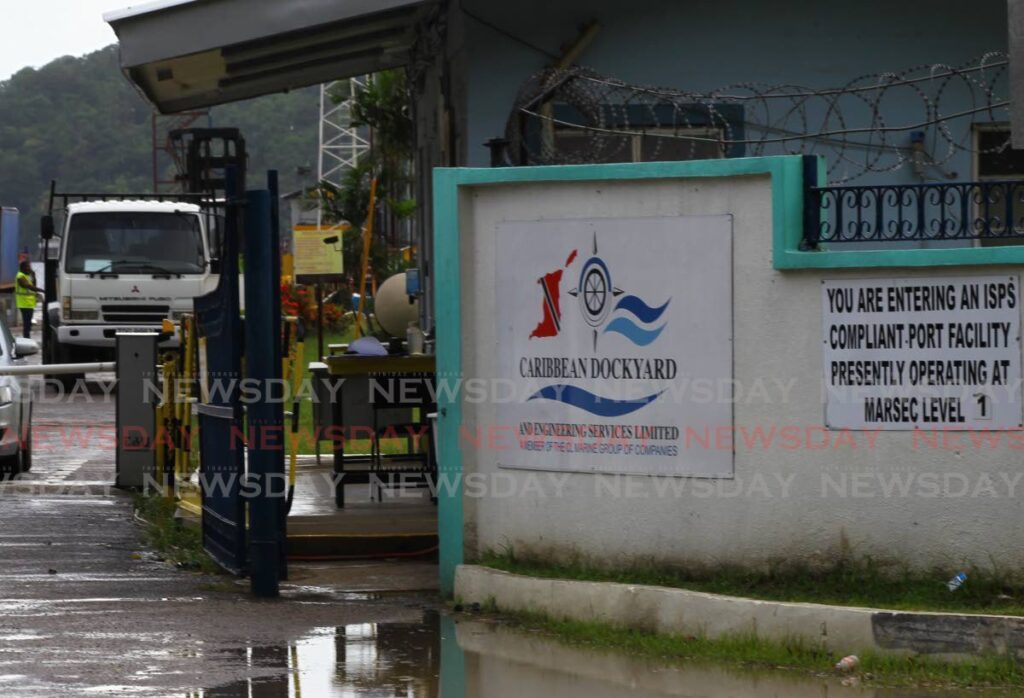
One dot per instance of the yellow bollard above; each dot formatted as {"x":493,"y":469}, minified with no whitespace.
{"x":164,"y":414}
{"x":292,"y":358}
{"x":183,"y":406}
{"x":293,"y":456}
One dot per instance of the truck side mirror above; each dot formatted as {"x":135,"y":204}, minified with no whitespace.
{"x":46,"y":227}
{"x":214,"y":266}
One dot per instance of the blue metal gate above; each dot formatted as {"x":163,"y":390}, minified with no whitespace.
{"x":221,"y":440}
{"x":265,"y":417}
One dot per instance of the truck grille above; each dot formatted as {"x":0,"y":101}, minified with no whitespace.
{"x":133,"y":313}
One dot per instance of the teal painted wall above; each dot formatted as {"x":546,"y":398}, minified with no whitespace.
{"x":448,"y":305}
{"x":786,"y":229}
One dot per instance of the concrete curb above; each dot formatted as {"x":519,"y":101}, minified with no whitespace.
{"x":839,"y":629}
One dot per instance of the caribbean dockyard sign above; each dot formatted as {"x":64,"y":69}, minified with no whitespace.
{"x":614,"y":339}
{"x":922,"y":353}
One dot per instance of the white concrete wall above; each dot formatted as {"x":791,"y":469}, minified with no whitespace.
{"x":777,"y":332}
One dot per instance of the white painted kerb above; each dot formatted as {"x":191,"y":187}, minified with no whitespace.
{"x":667,"y":611}
{"x":838,"y":629}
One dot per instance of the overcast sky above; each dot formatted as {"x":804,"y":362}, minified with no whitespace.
{"x":37,"y":31}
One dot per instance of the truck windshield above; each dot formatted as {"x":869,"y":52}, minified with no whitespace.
{"x":129,"y":241}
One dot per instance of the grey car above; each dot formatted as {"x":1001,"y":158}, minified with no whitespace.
{"x":15,"y":404}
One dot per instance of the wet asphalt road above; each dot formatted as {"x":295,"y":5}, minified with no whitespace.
{"x":85,"y":610}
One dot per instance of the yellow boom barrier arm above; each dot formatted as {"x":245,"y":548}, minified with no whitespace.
{"x":294,"y":358}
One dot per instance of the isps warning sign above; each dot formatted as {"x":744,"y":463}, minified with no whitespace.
{"x":923,"y":353}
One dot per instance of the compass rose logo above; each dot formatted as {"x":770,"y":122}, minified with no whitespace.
{"x":595,"y":292}
{"x":606,"y":309}
{"x":600,"y":299}
{"x":594,"y":288}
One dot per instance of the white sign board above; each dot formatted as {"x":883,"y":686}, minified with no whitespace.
{"x":604,"y":326}
{"x":925,"y":353}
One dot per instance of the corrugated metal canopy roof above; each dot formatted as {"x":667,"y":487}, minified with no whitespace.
{"x":133,"y":10}
{"x":188,"y":54}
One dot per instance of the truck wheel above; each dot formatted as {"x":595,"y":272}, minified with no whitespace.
{"x":49,"y":357}
{"x":65,"y":355}
{"x":9,"y":466}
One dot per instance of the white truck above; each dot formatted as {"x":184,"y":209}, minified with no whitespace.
{"x":122,"y":265}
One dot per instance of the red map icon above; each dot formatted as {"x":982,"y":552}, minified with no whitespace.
{"x":551,"y":283}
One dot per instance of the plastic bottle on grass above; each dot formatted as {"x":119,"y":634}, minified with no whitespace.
{"x":847,"y":664}
{"x":957,"y":581}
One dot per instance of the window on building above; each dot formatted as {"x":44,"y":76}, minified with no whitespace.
{"x":644,"y":145}
{"x":995,"y":160}
{"x":636,"y":133}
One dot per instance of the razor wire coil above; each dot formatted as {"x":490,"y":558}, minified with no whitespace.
{"x":577,"y":115}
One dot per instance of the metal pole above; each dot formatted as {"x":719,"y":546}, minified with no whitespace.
{"x":319,"y":321}
{"x":320,"y":163}
{"x":274,"y":191}
{"x":156,"y":168}
{"x":49,"y":282}
{"x":58,"y":369}
{"x":265,"y":417}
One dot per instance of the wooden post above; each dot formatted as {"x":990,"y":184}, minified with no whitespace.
{"x":367,"y":239}
{"x":547,"y":110}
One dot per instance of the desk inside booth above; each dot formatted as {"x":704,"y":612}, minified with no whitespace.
{"x":381,"y":396}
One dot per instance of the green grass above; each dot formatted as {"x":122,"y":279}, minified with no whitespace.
{"x":310,"y":354}
{"x":176,"y":541}
{"x":330,"y":337}
{"x":747,"y":652}
{"x":845,"y":582}
{"x":306,"y":429}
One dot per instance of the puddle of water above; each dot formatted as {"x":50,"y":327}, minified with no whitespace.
{"x":22,"y":637}
{"x":20,"y":605}
{"x":114,"y":689}
{"x":473,"y":659}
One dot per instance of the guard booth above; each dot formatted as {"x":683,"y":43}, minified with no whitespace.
{"x":255,"y":53}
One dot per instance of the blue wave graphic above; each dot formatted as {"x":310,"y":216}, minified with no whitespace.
{"x":644,"y":313}
{"x":631,"y":331}
{"x":589,"y":402}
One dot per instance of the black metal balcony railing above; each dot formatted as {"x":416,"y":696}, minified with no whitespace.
{"x":990,"y":210}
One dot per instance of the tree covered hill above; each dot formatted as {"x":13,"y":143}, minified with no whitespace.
{"x":79,"y":121}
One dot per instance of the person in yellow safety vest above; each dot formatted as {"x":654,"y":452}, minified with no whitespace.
{"x":25,"y":296}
